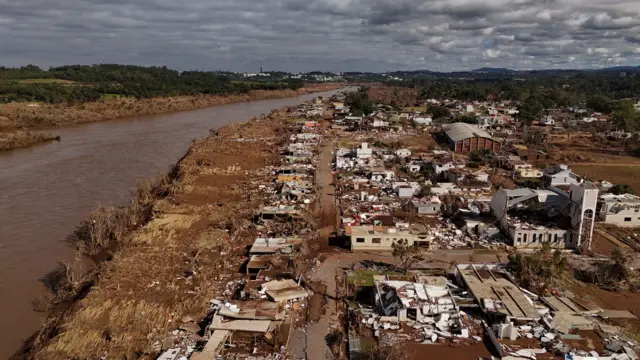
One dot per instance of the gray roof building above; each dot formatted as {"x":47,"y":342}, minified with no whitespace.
{"x":464,"y":138}
{"x":461,"y":131}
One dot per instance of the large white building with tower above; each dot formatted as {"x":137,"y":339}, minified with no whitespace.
{"x":563,"y":217}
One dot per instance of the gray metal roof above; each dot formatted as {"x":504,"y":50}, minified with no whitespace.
{"x":461,"y":131}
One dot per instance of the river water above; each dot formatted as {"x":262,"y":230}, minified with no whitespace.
{"x":46,"y":191}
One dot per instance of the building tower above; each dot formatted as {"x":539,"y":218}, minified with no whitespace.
{"x":584,"y":199}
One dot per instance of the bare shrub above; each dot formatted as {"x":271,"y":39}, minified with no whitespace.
{"x":383,"y":353}
{"x":539,"y":270}
{"x":617,"y":274}
{"x":108,"y":225}
{"x":43,"y":303}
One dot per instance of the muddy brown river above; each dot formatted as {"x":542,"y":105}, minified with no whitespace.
{"x":45,"y":191}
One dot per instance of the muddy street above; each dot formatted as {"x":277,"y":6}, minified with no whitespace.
{"x":47,"y":190}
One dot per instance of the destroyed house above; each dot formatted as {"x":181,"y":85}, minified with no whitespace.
{"x":428,"y":297}
{"x":620,"y":210}
{"x":282,"y":245}
{"x":531,"y":155}
{"x":496,"y":294}
{"x":273,"y":266}
{"x":283,"y":212}
{"x":425,"y":206}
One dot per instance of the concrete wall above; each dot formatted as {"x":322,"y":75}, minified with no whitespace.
{"x":428,"y":209}
{"x":535,"y":238}
{"x":622,"y":219}
{"x":624,"y":215}
{"x":474,"y":143}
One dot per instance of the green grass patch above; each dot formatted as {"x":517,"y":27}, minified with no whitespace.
{"x":363,"y":278}
{"x":347,"y":142}
{"x":111,"y":96}
{"x":45,"y":81}
{"x":368,"y":344}
{"x":414,"y":109}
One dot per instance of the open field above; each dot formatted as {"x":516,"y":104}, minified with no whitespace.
{"x":399,"y":95}
{"x":45,"y":81}
{"x":617,"y":174}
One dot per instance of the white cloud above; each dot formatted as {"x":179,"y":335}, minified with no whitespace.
{"x":304,"y":35}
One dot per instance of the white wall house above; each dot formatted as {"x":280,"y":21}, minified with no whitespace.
{"x":547,"y":121}
{"x":422,"y":120}
{"x":383,"y":175}
{"x":403,"y":153}
{"x":561,"y":175}
{"x":364,"y":151}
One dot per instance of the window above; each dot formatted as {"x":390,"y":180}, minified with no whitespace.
{"x":375,"y":240}
{"x":360,"y":240}
{"x":524,"y":238}
{"x":555,"y":238}
{"x":534,"y":238}
{"x":627,"y":219}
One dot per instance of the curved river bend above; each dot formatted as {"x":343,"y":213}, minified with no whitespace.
{"x":47,"y":190}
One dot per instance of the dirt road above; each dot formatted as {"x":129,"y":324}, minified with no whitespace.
{"x":328,"y":216}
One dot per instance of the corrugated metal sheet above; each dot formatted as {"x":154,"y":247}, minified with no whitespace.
{"x":461,"y":131}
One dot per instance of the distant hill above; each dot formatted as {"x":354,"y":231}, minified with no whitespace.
{"x":621,"y":68}
{"x":493,"y":70}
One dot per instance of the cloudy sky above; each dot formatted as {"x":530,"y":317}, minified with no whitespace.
{"x":327,"y":35}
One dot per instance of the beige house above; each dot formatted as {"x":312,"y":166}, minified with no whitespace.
{"x":528,"y":173}
{"x":380,"y":238}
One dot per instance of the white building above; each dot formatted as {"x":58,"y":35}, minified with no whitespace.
{"x":561,"y":175}
{"x":403,"y":153}
{"x":547,"y":121}
{"x":620,"y":210}
{"x":382,"y":175}
{"x":531,"y":217}
{"x":380,"y":123}
{"x":380,"y":238}
{"x":364,"y":151}
{"x":423,"y":120}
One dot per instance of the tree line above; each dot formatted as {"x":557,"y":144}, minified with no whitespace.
{"x":89,"y":83}
{"x":603,"y":92}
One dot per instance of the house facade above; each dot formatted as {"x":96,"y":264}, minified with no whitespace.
{"x":381,"y":238}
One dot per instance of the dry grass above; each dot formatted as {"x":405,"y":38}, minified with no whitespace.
{"x":387,"y":94}
{"x":188,"y":249}
{"x":23,"y":139}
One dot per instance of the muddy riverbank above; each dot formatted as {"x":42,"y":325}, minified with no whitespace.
{"x":49,"y":189}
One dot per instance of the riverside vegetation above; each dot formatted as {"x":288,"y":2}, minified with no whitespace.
{"x":24,"y":138}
